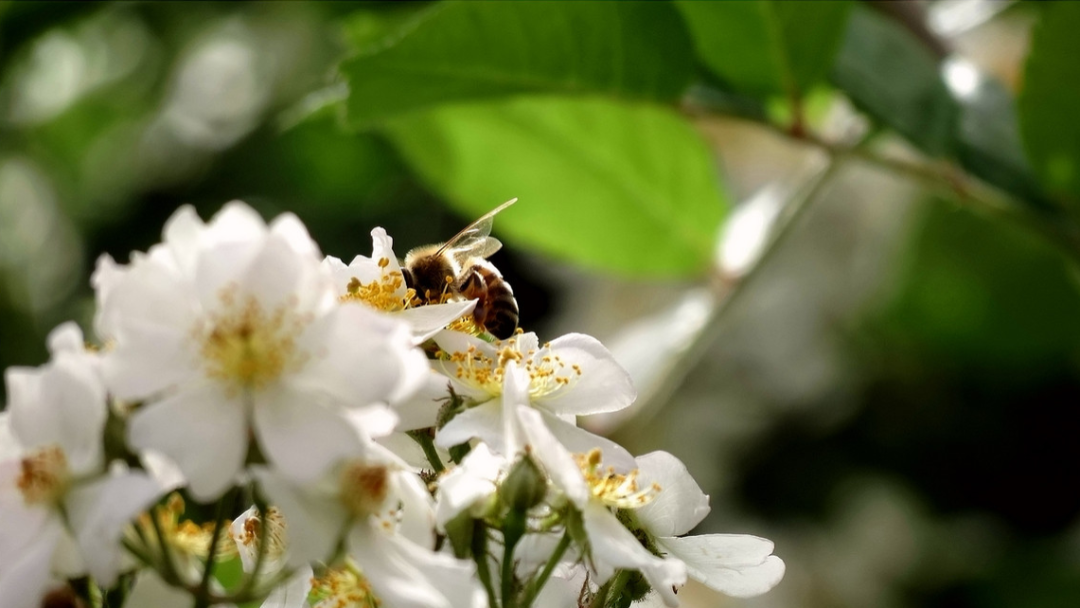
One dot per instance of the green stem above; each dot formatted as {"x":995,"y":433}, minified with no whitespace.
{"x":203,"y":598}
{"x":424,"y":438}
{"x":538,"y":583}
{"x":480,"y":556}
{"x":168,"y":567}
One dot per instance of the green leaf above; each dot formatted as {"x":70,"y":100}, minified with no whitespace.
{"x":892,"y":77}
{"x":988,"y":142}
{"x":625,"y":188}
{"x":767,"y":47}
{"x":1050,"y":100}
{"x":461,"y":51}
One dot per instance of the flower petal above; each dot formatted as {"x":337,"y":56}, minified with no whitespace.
{"x":99,"y":510}
{"x":580,"y":441}
{"x":483,"y":421}
{"x":613,"y":547}
{"x":24,"y":583}
{"x":603,"y":385}
{"x":315,"y":522}
{"x":679,"y":506}
{"x":300,"y":435}
{"x":201,"y":430}
{"x":426,"y":321}
{"x":739,"y":565}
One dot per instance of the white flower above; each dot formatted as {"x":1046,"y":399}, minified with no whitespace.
{"x":593,"y":490}
{"x":232,"y":327}
{"x":470,"y":486}
{"x":57,"y":478}
{"x":386,"y":517}
{"x":378,"y":282}
{"x":571,"y":376}
{"x":736,"y":564}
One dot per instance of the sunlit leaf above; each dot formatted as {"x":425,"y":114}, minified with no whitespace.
{"x":473,"y":50}
{"x":888,"y":74}
{"x":767,"y":47}
{"x":626,"y":188}
{"x":1049,"y":102}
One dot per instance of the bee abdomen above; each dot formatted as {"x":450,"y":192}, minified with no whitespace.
{"x":502,"y":314}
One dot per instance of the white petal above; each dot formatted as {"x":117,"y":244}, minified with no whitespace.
{"x":236,"y":221}
{"x":580,"y":441}
{"x":292,"y":231}
{"x":99,"y":510}
{"x":24,"y":583}
{"x":603,"y":386}
{"x":421,"y":409}
{"x":426,"y":321}
{"x":373,"y":421}
{"x":457,"y":342}
{"x":314,"y":521}
{"x":21,"y":526}
{"x":149,"y":590}
{"x":612,"y":547}
{"x":361,"y":357}
{"x":483,"y":421}
{"x":293,"y":593}
{"x":182,"y":235}
{"x":66,"y":338}
{"x":61,"y":403}
{"x":468,"y":484}
{"x":300,"y":435}
{"x":404,"y":575}
{"x":201,"y":430}
{"x":739,"y":565}
{"x":9,"y":446}
{"x":557,"y":461}
{"x":679,"y":506}
{"x":280,"y":276}
{"x":416,"y":520}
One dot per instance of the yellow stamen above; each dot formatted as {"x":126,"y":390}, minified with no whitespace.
{"x":343,"y":587}
{"x":387,"y":293}
{"x":43,"y":476}
{"x":247,"y":347}
{"x":611,"y":488}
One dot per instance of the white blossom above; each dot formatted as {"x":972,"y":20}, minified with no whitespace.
{"x":61,"y":513}
{"x":739,"y":565}
{"x":234,"y":326}
{"x":379,"y":283}
{"x":571,"y":376}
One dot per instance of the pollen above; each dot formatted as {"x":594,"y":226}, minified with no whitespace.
{"x":43,"y":476}
{"x":275,"y":533}
{"x":343,"y":587}
{"x":183,"y":536}
{"x":611,"y":488}
{"x":387,"y":293}
{"x":547,"y":371}
{"x":364,"y":487}
{"x":246,"y":346}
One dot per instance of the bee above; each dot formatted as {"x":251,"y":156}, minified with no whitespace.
{"x":457,"y":269}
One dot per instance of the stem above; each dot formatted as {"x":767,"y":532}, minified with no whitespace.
{"x":202,"y":596}
{"x":251,"y":579}
{"x":424,"y":438}
{"x":479,"y":551}
{"x":168,"y":567}
{"x":538,"y":583}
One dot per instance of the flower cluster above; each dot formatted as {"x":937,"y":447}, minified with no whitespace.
{"x":389,"y":452}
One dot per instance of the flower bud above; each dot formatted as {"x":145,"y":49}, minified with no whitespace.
{"x":524,"y":487}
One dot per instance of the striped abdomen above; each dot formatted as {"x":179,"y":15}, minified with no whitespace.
{"x":496,"y":309}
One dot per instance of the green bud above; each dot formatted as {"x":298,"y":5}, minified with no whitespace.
{"x":525,"y":486}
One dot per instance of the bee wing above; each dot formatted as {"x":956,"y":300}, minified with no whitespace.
{"x":473,"y":240}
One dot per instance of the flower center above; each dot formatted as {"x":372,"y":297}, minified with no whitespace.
{"x":275,"y":533}
{"x":547,"y":373}
{"x":614,"y":490}
{"x":43,"y":476}
{"x":343,"y":587}
{"x":364,"y":487}
{"x":184,"y":536}
{"x":247,"y":347}
{"x":387,"y":293}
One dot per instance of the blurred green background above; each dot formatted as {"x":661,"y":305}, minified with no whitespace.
{"x":834,"y":242}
